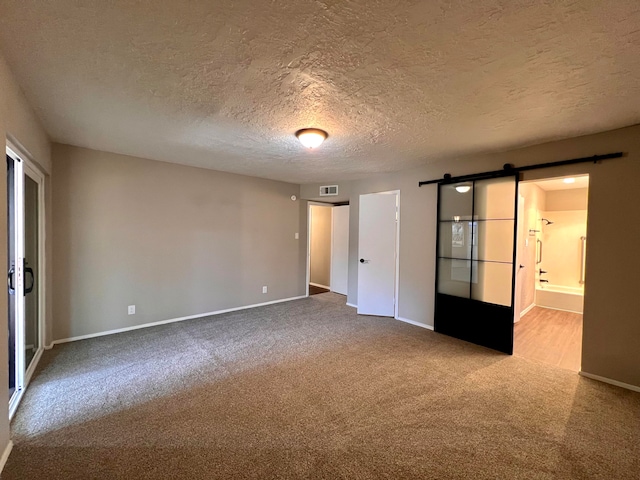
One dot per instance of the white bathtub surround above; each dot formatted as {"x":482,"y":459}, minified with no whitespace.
{"x":560,"y":297}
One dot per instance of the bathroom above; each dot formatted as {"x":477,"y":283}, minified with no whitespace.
{"x":550,"y":279}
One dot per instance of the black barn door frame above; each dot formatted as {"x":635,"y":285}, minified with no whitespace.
{"x":476,"y":321}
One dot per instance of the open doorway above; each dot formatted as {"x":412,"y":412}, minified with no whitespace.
{"x":550,"y":278}
{"x":328,"y":248}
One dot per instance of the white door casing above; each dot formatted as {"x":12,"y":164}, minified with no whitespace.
{"x":23,"y":169}
{"x":377,"y":246}
{"x":340,"y":249}
{"x":520,"y":260}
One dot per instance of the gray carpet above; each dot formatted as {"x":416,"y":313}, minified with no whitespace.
{"x":307,"y":389}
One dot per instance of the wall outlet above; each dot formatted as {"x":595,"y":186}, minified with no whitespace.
{"x":131,"y":309}
{"x":296,"y":236}
{"x":264,"y":289}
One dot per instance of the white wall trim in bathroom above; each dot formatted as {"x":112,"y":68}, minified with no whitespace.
{"x":527,"y":310}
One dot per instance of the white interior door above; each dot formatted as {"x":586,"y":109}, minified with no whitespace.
{"x":377,"y":254}
{"x":340,"y":249}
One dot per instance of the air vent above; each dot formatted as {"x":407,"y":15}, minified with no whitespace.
{"x":328,"y":190}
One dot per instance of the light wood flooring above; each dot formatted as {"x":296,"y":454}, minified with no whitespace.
{"x":550,"y":336}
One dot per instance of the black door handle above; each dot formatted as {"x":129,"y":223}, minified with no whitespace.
{"x":362,"y":260}
{"x":29,"y":289}
{"x":12,"y":272}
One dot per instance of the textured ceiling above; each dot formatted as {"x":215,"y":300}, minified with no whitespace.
{"x":225,"y":84}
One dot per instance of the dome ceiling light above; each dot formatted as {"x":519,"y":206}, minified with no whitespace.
{"x":311,"y":137}
{"x":463,"y":188}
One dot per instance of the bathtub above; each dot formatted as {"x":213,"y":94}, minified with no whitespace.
{"x":560,"y":297}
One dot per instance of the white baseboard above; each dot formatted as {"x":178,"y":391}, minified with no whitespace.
{"x":351,"y":305}
{"x":5,"y":455}
{"x":560,"y":309}
{"x":320,"y":285}
{"x":527,"y":310}
{"x":172,"y":320}
{"x":610,"y":381}
{"x":413,"y":322}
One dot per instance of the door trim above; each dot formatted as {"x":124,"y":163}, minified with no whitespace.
{"x":396,"y":299}
{"x":30,"y":168}
{"x":308,"y":276}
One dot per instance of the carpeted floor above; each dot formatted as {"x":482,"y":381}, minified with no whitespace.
{"x":307,"y":389}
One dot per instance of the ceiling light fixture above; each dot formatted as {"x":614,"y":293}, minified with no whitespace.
{"x":463,"y":188}
{"x":569,"y":180}
{"x":311,"y":137}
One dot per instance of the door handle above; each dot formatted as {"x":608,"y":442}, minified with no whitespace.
{"x":10,"y":276}
{"x":362,"y":260}
{"x":29,"y":289}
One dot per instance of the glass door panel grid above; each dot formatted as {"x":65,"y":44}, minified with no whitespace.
{"x":476,"y":237}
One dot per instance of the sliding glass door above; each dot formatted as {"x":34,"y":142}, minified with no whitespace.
{"x":24,"y":282}
{"x":475,"y":261}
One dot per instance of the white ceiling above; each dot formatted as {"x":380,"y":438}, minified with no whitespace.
{"x":558,"y":183}
{"x":225,"y":84}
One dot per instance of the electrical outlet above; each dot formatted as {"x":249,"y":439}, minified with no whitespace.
{"x":296,"y":236}
{"x":131,"y":310}
{"x":264,"y":289}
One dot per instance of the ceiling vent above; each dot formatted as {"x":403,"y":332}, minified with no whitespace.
{"x":328,"y":190}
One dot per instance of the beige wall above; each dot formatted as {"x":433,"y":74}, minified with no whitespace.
{"x":611,"y":345}
{"x":173,"y":240}
{"x":320,"y":246}
{"x":562,"y":252}
{"x":573,"y":199}
{"x":19,"y":124}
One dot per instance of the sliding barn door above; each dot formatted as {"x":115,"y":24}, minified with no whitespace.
{"x":475,"y":261}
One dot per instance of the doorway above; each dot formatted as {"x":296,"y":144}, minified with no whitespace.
{"x":328,"y":248}
{"x":25,"y":262}
{"x":552,"y":242}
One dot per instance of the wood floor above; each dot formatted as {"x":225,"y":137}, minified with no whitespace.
{"x":313,"y":290}
{"x":550,"y":336}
